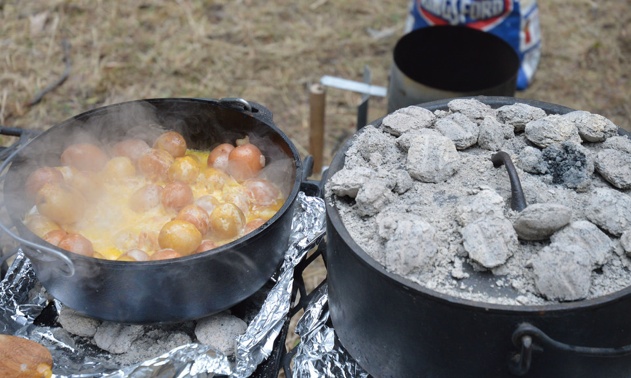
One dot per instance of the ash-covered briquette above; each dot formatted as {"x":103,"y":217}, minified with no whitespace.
{"x":615,"y":167}
{"x":420,"y":195}
{"x":550,"y":130}
{"x":489,"y":241}
{"x":220,"y":331}
{"x":128,"y":344}
{"x":462,"y":131}
{"x":539,"y":221}
{"x":77,"y":324}
{"x":518,"y":115}
{"x":592,"y":127}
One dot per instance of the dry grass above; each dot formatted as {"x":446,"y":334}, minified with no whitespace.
{"x":586,"y":61}
{"x":270,"y":52}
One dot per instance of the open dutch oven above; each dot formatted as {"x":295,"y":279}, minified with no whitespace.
{"x":170,"y":290}
{"x":394,"y":327}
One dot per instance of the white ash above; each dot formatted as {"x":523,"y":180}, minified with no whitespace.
{"x":404,"y":141}
{"x":349,"y":181}
{"x":439,"y":113}
{"x":625,"y":242}
{"x":408,"y":119}
{"x":403,"y":181}
{"x":530,"y":159}
{"x":220,"y":331}
{"x":457,"y":200}
{"x":516,"y":144}
{"x":592,"y":127}
{"x":493,"y":134}
{"x":587,"y":236}
{"x":484,"y":203}
{"x":373,"y":196}
{"x":473,"y":109}
{"x":411,"y":245}
{"x":390,"y":156}
{"x":128,"y":344}
{"x":432,"y":158}
{"x":460,"y":129}
{"x":117,"y":338}
{"x":562,"y":272}
{"x":489,"y":241}
{"x":619,"y":143}
{"x":550,"y":130}
{"x":539,"y":221}
{"x":615,"y":167}
{"x":380,"y":145}
{"x":610,"y":210}
{"x":518,"y":115}
{"x":153,"y":343}
{"x":78,"y":324}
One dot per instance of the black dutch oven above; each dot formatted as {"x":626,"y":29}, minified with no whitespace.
{"x":169,"y":290}
{"x":396,"y":328}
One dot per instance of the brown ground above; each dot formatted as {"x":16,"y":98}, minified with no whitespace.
{"x":271,"y":52}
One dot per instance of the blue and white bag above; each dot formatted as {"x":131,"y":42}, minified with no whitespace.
{"x":515,"y":21}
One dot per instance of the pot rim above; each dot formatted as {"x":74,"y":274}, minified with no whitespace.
{"x":257,"y":111}
{"x":359,"y":253}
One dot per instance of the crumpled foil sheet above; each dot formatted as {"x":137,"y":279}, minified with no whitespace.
{"x":319,"y":353}
{"x":22,"y":299}
{"x":257,"y":342}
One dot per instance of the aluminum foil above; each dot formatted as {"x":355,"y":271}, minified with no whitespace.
{"x":319,"y":353}
{"x":256,"y":344}
{"x":22,"y":300}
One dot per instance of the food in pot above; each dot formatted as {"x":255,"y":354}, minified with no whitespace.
{"x":154,"y":163}
{"x":133,"y":148}
{"x":140,"y":202}
{"x":61,"y":202}
{"x":218,"y":157}
{"x":421,"y":195}
{"x":40,"y":177}
{"x":245,"y":160}
{"x":172,"y":142}
{"x":175,"y":195}
{"x":227,"y":220}
{"x":84,"y":157}
{"x":76,"y":243}
{"x":181,"y":236}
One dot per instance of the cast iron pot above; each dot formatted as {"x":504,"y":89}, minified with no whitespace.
{"x":396,"y":328}
{"x":169,"y":290}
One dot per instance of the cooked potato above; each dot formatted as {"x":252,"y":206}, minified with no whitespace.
{"x":149,"y":203}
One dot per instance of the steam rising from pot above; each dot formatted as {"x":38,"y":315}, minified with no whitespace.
{"x":142,"y":121}
{"x":167,"y":290}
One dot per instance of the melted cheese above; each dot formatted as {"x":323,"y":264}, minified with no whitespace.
{"x":113,"y":227}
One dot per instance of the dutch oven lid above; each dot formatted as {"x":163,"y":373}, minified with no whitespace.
{"x":479,"y":280}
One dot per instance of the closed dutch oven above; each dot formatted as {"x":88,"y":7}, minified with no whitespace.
{"x":396,"y":328}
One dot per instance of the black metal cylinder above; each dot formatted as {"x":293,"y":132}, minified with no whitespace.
{"x":396,"y":328}
{"x":441,"y":62}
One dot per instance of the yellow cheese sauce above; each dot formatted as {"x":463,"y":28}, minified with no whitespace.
{"x":113,"y":228}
